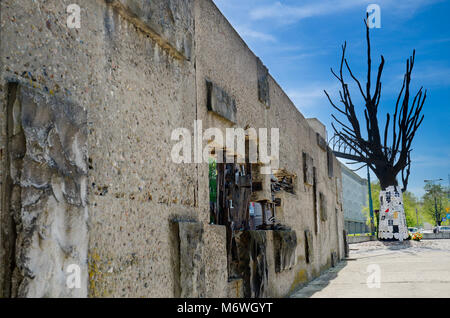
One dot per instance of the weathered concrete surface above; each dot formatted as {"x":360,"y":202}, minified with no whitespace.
{"x":47,"y":149}
{"x":137,"y":84}
{"x":253,"y":266}
{"x":215,"y":256}
{"x":192,"y":267}
{"x":263,"y":83}
{"x":408,"y":269}
{"x":135,"y":93}
{"x":359,"y":239}
{"x":285,"y":245}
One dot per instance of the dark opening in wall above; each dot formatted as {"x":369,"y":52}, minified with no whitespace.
{"x":229,"y":192}
{"x":233,"y":195}
{"x":262,"y":215}
{"x":11,"y":193}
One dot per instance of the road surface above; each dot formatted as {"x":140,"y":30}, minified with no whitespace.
{"x":387,"y":270}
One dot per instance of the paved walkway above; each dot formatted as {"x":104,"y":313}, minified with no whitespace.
{"x":408,"y":269}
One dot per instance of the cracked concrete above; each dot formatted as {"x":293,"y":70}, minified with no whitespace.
{"x":408,"y":269}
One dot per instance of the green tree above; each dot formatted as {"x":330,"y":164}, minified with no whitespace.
{"x":410,"y":204}
{"x":376,"y":203}
{"x":212,"y":189}
{"x":435,"y":203}
{"x":212,"y":181}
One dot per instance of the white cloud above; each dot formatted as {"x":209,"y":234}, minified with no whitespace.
{"x":296,"y":13}
{"x":301,"y":56}
{"x":286,"y":14}
{"x":428,"y":74}
{"x":433,"y":76}
{"x":306,"y":97}
{"x":246,"y":32}
{"x":311,"y":95}
{"x":438,"y":160}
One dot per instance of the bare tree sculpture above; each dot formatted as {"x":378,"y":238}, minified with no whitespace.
{"x":385,"y":160}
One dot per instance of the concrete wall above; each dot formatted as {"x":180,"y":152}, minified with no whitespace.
{"x":135,"y":93}
{"x":360,"y":239}
{"x":318,"y":127}
{"x":236,"y":73}
{"x":432,"y":236}
{"x":355,"y":193}
{"x":138,"y":78}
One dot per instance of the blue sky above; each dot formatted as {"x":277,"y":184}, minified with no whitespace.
{"x":300,"y":40}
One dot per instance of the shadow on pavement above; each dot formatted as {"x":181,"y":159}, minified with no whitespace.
{"x":395,"y":245}
{"x":308,"y":289}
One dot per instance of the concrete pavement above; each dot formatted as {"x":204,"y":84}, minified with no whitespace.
{"x":408,"y":269}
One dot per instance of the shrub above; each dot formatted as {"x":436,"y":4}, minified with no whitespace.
{"x":417,"y":236}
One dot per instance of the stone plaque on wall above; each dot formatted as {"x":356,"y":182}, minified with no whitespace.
{"x":321,"y":142}
{"x":338,"y":191}
{"x":308,"y":171}
{"x":169,"y":22}
{"x":330,"y":163}
{"x":253,"y":266}
{"x":346,"y":247}
{"x":323,"y":207}
{"x":285,"y":244}
{"x":219,"y":102}
{"x":192,"y":267}
{"x":334,"y":259}
{"x":263,"y":83}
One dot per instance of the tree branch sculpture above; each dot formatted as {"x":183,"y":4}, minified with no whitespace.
{"x":386,"y":157}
